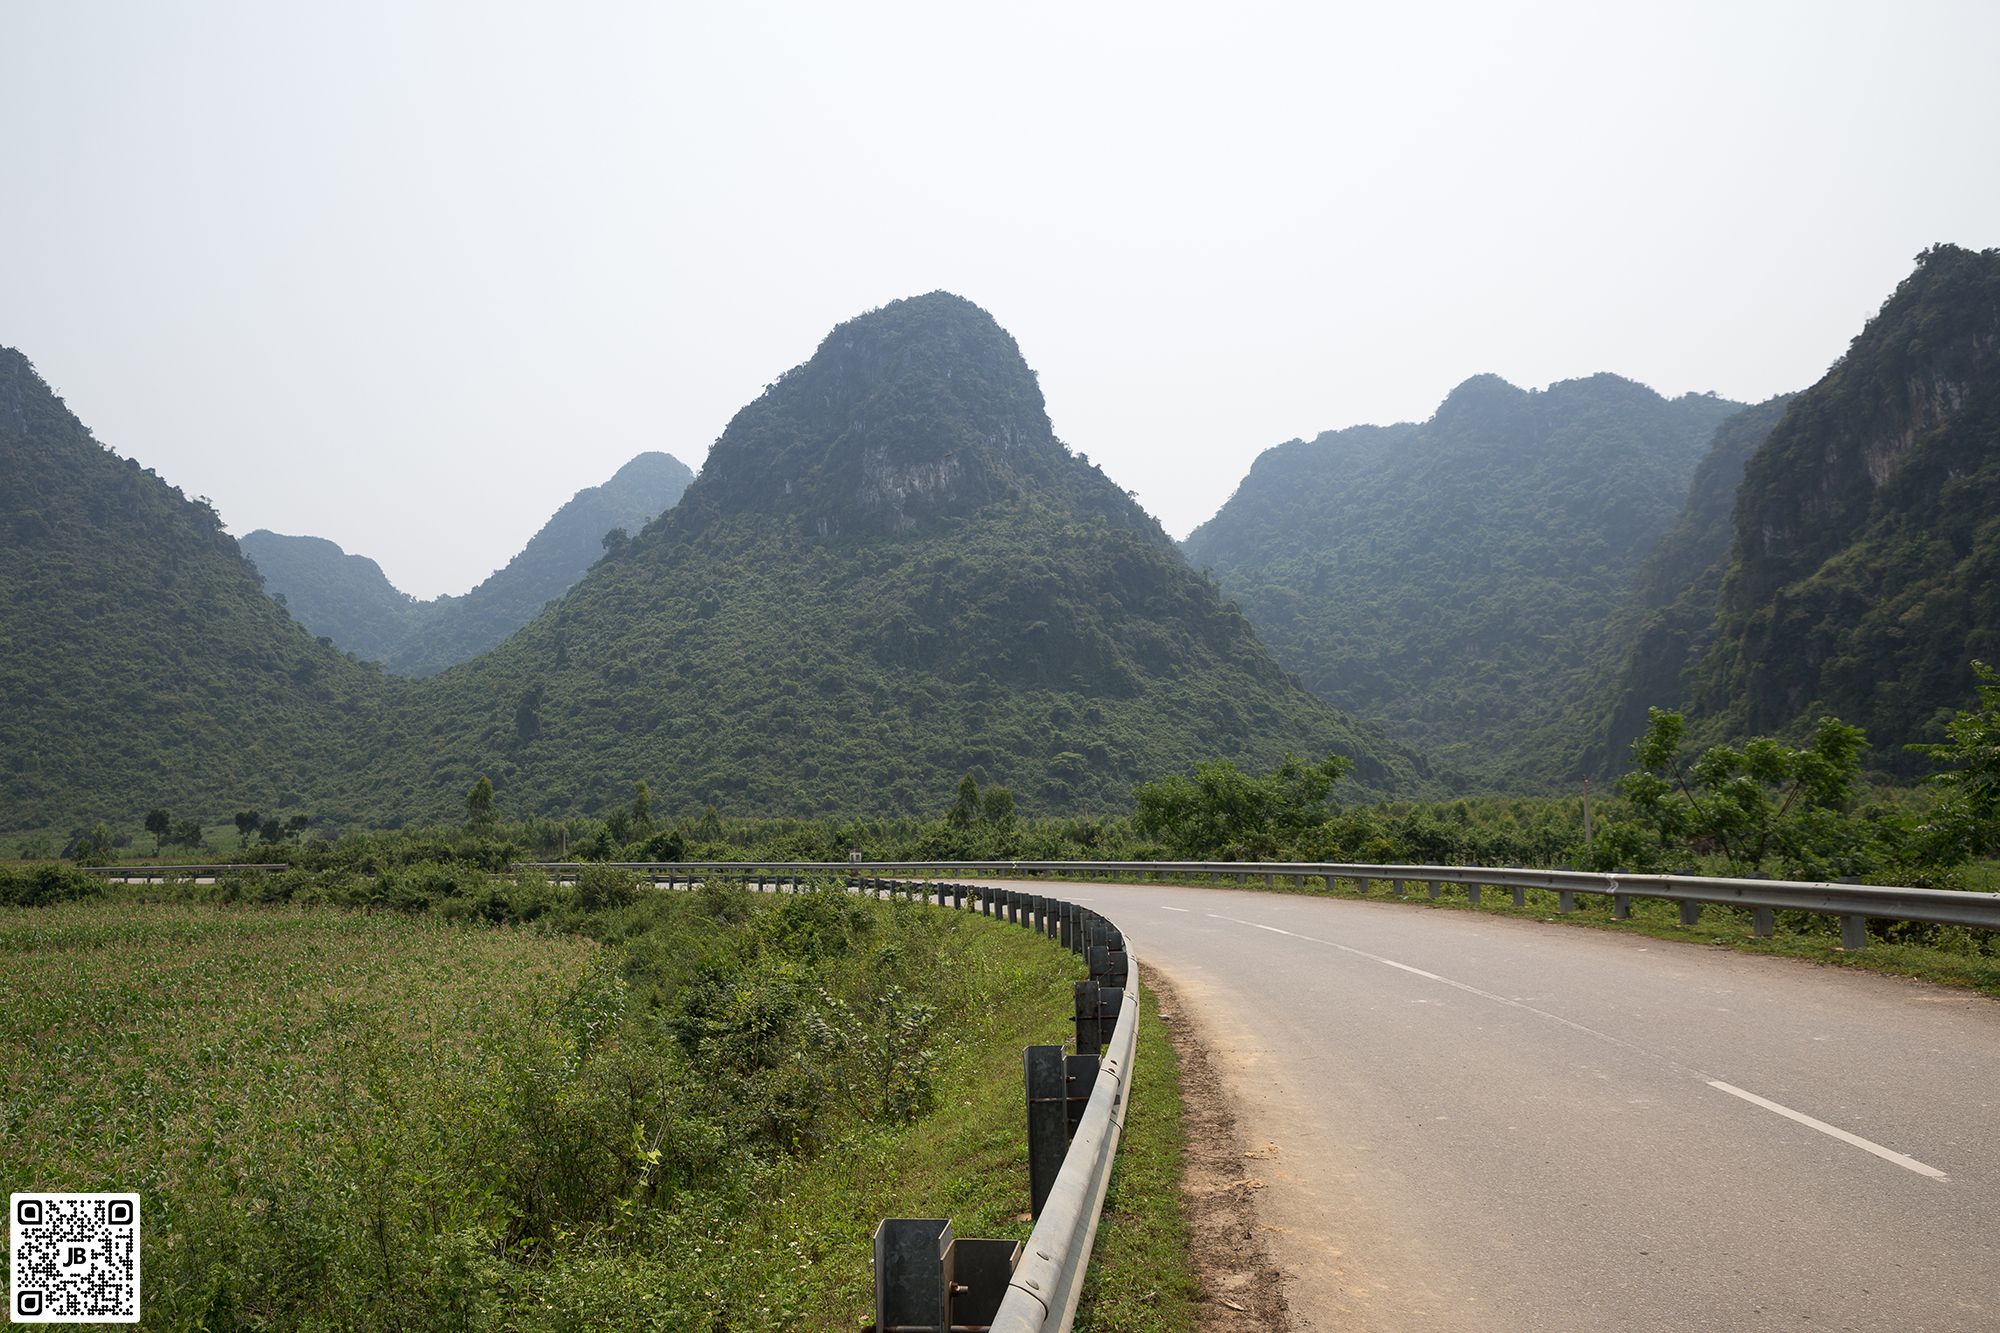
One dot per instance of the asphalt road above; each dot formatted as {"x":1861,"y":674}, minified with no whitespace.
{"x":1475,"y":1122}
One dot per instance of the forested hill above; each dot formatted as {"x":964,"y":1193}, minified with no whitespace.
{"x":345,"y":597}
{"x":889,"y":572}
{"x":141,"y":662}
{"x":1455,"y":581}
{"x":1865,"y":569}
{"x":1671,"y":622}
{"x":348,"y":599}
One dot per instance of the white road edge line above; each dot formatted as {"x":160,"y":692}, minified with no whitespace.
{"x":1853,"y":1140}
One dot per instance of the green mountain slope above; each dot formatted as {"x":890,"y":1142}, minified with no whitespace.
{"x":1865,"y":569}
{"x":1453,"y":581}
{"x":345,"y":597}
{"x":348,"y":599}
{"x":140,"y":662}
{"x":889,"y":572}
{"x":1671,"y":620}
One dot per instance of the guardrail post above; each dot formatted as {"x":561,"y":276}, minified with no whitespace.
{"x":1048,"y":1121}
{"x":981,"y":1273}
{"x":1108,"y":961}
{"x":913,"y":1274}
{"x":1088,"y":1040}
{"x":1853,"y":932}
{"x":1437,"y":890}
{"x":1110,"y":999}
{"x":1472,"y":892}
{"x":1565,"y":900}
{"x":1690,"y":913}
{"x":1621,"y":907}
{"x":1763,"y":922}
{"x":1079,"y":1078}
{"x":1396,"y":887}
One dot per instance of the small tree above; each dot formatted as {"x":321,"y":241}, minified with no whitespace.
{"x":479,"y":805}
{"x":246,"y":824}
{"x":965,"y":809}
{"x":187,"y":832}
{"x":1222,"y":807}
{"x":642,"y":807}
{"x":272,"y":829}
{"x":996,"y":805}
{"x":1744,"y":804}
{"x":1966,"y":822}
{"x":159,"y":823}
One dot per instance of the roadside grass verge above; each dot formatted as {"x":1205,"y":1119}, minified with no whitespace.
{"x":1142,"y":1277}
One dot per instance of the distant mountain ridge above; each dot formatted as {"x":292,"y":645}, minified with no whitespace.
{"x":349,"y":599}
{"x":1455,"y":581}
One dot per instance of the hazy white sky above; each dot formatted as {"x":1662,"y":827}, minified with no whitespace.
{"x":408,"y":275}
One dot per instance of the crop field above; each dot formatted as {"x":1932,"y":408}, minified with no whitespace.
{"x":672,"y":1111}
{"x":309,"y":1103}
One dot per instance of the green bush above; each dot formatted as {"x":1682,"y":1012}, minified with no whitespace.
{"x":41,"y":885}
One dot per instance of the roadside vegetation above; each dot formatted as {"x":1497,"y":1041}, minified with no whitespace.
{"x":419,"y":1093}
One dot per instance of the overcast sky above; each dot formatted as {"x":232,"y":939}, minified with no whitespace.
{"x":406,"y":276}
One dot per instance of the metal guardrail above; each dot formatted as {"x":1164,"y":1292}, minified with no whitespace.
{"x":929,"y":1281}
{"x":128,"y":874}
{"x":1854,"y":904}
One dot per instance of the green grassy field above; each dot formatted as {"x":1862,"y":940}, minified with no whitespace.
{"x":342,"y":1119}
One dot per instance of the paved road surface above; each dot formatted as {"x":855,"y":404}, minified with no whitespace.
{"x":1483,"y":1123}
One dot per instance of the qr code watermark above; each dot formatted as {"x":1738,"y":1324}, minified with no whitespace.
{"x":74,"y":1258}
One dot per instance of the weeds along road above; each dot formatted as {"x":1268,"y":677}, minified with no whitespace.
{"x":1472,"y":1122}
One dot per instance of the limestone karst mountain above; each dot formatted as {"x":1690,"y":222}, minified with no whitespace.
{"x":890,"y":571}
{"x":1456,"y":581}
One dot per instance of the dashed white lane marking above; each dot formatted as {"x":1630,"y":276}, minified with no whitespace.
{"x":1853,"y":1140}
{"x":1165,"y":908}
{"x":1886,"y":1154}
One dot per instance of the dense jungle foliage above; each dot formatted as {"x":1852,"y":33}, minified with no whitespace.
{"x":1865,"y":570}
{"x":1458,"y":582}
{"x":348,"y":599}
{"x":1760,"y":807}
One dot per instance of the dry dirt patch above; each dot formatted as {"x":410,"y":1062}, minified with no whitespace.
{"x":1241,"y":1290}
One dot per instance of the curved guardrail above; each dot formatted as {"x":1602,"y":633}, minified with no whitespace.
{"x":1049,"y":1279}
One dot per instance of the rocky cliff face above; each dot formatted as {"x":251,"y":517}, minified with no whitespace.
{"x":1865,"y":569}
